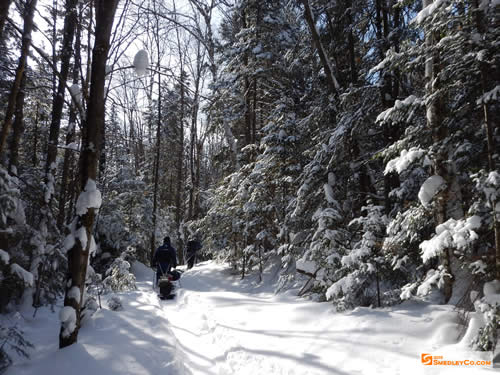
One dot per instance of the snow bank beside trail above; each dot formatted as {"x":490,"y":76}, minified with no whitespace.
{"x":135,"y":341}
{"x":141,"y":271}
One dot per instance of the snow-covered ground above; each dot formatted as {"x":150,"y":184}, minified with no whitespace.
{"x":220,"y":325}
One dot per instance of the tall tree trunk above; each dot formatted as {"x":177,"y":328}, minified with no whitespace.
{"x":387,"y":93}
{"x":29,"y":11}
{"x":325,"y":61}
{"x":68,"y":160}
{"x":4,"y":13}
{"x":247,"y":94}
{"x":83,"y":221}
{"x":482,"y":27}
{"x":180,"y":166}
{"x":199,"y":150}
{"x":193,"y":143}
{"x":71,"y":131}
{"x":54,"y":46}
{"x":34,"y":156}
{"x":434,"y":122}
{"x":18,"y":128}
{"x":157,"y":157}
{"x":179,"y":182}
{"x":70,"y":19}
{"x":253,"y":133}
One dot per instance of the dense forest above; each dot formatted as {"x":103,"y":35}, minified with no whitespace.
{"x":352,"y":143}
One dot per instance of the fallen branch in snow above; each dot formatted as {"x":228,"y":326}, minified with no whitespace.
{"x":311,"y":277}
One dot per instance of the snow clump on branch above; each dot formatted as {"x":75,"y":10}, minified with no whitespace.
{"x":141,"y":62}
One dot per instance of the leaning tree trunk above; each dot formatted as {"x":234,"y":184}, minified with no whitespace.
{"x":81,"y":238}
{"x":434,"y":122}
{"x":325,"y":61}
{"x":29,"y":11}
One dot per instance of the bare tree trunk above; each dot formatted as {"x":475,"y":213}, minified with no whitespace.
{"x":71,"y":132}
{"x":156,"y":172}
{"x":180,"y":166}
{"x":54,"y":46}
{"x":70,"y":19}
{"x":158,"y":145}
{"x":178,"y":197}
{"x":325,"y":61}
{"x":193,"y":144}
{"x":34,"y":156}
{"x":68,"y":159}
{"x":199,"y":151}
{"x":29,"y":12}
{"x":84,"y":216}
{"x":18,"y":128}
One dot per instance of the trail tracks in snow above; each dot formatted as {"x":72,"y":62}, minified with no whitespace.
{"x":227,"y":326}
{"x":221,"y":325}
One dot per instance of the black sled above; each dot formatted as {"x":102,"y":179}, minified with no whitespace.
{"x":167,"y":286}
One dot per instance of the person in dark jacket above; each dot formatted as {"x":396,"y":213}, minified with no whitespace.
{"x":164,"y":259}
{"x":192,"y":248}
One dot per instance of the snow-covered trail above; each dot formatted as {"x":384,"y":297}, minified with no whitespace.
{"x":225,"y":326}
{"x":221,"y":325}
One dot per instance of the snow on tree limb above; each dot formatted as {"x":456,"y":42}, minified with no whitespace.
{"x":405,"y":159}
{"x":430,"y":188}
{"x":24,"y":275}
{"x":141,"y":62}
{"x":451,"y":234}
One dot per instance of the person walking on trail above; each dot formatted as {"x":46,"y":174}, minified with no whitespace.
{"x":164,"y":259}
{"x":192,"y":247}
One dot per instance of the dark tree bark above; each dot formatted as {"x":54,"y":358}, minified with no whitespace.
{"x":4,"y":13}
{"x":180,"y":166}
{"x":388,"y":93}
{"x":84,"y":218}
{"x":158,"y":145}
{"x":352,"y":55}
{"x":18,"y":128}
{"x":34,"y":156}
{"x":325,"y":61}
{"x":156,"y":172}
{"x":194,"y":185}
{"x":29,"y":12}
{"x":180,"y":157}
{"x":70,"y":20}
{"x":71,"y":132}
